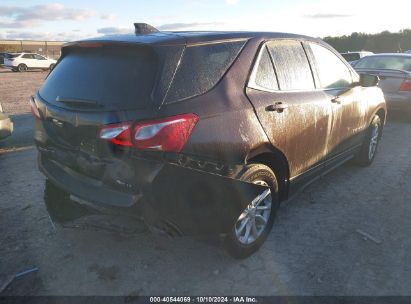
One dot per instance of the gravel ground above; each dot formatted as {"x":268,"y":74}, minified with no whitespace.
{"x":16,"y":89}
{"x":347,"y":234}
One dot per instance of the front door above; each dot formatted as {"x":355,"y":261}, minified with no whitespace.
{"x":348,"y":109}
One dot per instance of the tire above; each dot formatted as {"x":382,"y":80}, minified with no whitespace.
{"x":236,"y":242}
{"x":51,"y":66}
{"x":370,"y":145}
{"x":22,"y":67}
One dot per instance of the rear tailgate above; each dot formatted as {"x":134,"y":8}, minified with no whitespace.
{"x":91,"y":87}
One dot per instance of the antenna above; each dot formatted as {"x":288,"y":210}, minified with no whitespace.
{"x":144,"y":28}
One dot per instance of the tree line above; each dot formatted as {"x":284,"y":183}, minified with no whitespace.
{"x":384,"y":42}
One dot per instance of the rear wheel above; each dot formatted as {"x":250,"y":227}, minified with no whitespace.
{"x":370,"y":144}
{"x":254,"y":224}
{"x":22,"y":67}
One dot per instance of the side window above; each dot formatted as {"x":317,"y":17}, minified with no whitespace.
{"x":38,"y":57}
{"x":265,"y":75}
{"x":291,"y":64}
{"x":27,"y":56}
{"x":332,"y":72}
{"x":202,"y":67}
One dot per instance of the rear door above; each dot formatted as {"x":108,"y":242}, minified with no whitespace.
{"x":294,"y":114}
{"x":348,"y":107}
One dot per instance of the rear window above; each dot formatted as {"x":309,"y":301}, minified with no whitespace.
{"x":385,"y":62}
{"x":115,"y":78}
{"x":11,"y":55}
{"x":201,"y":68}
{"x":351,"y":56}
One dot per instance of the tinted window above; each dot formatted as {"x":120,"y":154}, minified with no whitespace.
{"x":27,"y":56}
{"x":291,"y":65}
{"x":39,"y":57}
{"x":201,"y":68}
{"x":351,"y":56}
{"x":116,"y":78}
{"x":14,"y":55}
{"x":385,"y":62}
{"x":332,"y":71}
{"x":265,"y":75}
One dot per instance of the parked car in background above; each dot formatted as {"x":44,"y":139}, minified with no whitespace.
{"x":2,"y":55}
{"x":394,"y":71}
{"x":6,"y":125}
{"x":27,"y":61}
{"x":201,"y":132}
{"x":408,"y":52}
{"x":352,"y":57}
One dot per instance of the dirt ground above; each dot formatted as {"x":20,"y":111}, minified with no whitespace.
{"x":16,"y":89}
{"x":347,"y":234}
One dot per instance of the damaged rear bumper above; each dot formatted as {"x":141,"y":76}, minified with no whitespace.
{"x":194,"y":201}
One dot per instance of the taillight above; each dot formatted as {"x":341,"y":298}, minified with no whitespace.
{"x":167,"y":134}
{"x":34,"y":109}
{"x":10,"y":59}
{"x":118,"y":134}
{"x":406,"y":85}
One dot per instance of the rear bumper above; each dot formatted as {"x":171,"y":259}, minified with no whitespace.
{"x":6,"y":126}
{"x":194,"y":201}
{"x":83,"y":187}
{"x":398,"y":102}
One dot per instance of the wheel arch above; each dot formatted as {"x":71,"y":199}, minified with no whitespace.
{"x":276,"y":161}
{"x":382,"y":114}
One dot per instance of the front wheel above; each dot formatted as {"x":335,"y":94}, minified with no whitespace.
{"x":370,"y":144}
{"x":254,"y":224}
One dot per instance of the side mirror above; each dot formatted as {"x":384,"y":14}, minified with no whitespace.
{"x":367,"y":80}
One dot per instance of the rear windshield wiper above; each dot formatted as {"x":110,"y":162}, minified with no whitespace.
{"x":77,"y":101}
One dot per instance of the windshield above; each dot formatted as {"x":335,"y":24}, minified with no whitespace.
{"x":385,"y":62}
{"x":112,"y":77}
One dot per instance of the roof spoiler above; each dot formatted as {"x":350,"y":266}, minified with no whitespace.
{"x":144,"y":28}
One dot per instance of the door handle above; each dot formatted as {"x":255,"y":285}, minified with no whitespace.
{"x":278,"y":107}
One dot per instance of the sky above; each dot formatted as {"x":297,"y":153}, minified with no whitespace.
{"x":68,"y":20}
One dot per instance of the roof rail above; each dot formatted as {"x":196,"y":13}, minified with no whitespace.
{"x":144,"y":28}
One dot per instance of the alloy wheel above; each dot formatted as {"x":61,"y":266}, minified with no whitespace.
{"x":375,"y":134}
{"x":254,"y":219}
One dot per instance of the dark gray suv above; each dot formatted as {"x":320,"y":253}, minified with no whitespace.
{"x":201,"y":132}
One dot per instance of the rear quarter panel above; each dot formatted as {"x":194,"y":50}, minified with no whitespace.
{"x":228,"y":129}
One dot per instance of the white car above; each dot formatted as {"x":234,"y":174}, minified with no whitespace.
{"x":26,"y":61}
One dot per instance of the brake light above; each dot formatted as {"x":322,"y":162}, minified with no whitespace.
{"x":167,"y":134}
{"x":34,"y":109}
{"x":118,"y":134}
{"x":406,"y":85}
